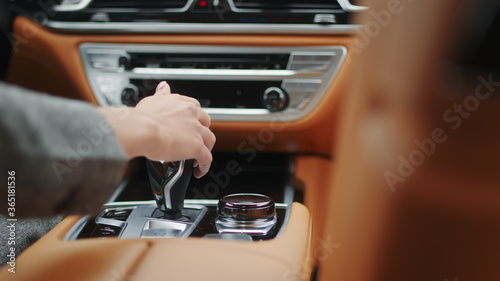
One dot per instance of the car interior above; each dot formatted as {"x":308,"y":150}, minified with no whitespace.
{"x":356,"y":140}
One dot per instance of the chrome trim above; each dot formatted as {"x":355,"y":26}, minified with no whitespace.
{"x":283,"y":98}
{"x":75,"y":230}
{"x":141,"y":215}
{"x":347,"y":6}
{"x":128,"y":203}
{"x":85,"y":3}
{"x":189,"y":202}
{"x":325,"y":18}
{"x":256,"y":227}
{"x":204,"y":28}
{"x":112,"y":222}
{"x":184,"y":233}
{"x":238,"y":111}
{"x":171,"y":183}
{"x":72,"y":7}
{"x":233,"y":73}
{"x":203,"y":211}
{"x":206,"y":202}
{"x":164,"y":225}
{"x":118,"y":190}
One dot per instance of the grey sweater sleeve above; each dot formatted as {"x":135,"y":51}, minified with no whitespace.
{"x":65,"y":155}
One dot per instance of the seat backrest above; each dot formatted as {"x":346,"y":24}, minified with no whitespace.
{"x":415,"y":194}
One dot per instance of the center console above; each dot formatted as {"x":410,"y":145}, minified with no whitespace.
{"x":237,"y":216}
{"x":200,"y":218}
{"x":242,"y":236}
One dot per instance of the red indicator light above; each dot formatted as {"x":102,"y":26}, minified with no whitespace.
{"x":203,"y":3}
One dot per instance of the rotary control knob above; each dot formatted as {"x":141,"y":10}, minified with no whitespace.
{"x":131,"y":95}
{"x":250,"y":213}
{"x":275,"y":99}
{"x":125,"y":62}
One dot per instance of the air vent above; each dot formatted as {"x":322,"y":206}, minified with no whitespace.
{"x":117,"y":5}
{"x":136,"y":4}
{"x":209,"y":61}
{"x":286,"y":4}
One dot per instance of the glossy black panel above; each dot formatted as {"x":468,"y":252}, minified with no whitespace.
{"x":249,"y":171}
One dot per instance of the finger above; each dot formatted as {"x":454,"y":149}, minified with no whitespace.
{"x":204,"y":118}
{"x":162,"y":89}
{"x":204,"y":163}
{"x":208,"y":138}
{"x":191,"y":100}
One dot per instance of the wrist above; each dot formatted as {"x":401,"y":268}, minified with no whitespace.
{"x":121,"y":120}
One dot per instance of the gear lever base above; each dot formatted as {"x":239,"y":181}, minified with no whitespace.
{"x":187,"y":215}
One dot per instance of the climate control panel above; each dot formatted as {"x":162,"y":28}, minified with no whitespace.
{"x":231,"y":83}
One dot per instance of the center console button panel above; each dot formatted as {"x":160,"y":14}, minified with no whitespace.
{"x":144,"y":220}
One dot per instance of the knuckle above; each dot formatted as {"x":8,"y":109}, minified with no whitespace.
{"x":209,"y":119}
{"x":195,"y":102}
{"x":214,"y":140}
{"x":192,"y":108}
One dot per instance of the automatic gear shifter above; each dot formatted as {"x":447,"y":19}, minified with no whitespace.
{"x":169,"y":181}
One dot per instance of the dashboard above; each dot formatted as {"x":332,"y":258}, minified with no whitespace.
{"x":205,"y":16}
{"x":251,"y":64}
{"x":271,"y":74}
{"x":302,"y":117}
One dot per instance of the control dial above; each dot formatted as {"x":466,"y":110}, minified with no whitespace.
{"x":249,"y":213}
{"x":125,"y":62}
{"x":131,"y":95}
{"x":275,"y":99}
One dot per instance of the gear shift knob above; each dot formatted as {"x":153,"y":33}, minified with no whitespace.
{"x":169,"y":181}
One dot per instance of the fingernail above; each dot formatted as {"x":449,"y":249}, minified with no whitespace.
{"x":161,"y":86}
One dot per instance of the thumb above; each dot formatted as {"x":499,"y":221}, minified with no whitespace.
{"x":162,"y":89}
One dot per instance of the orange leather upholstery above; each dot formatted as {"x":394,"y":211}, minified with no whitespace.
{"x":415,"y":194}
{"x":51,"y":258}
{"x":313,"y":173}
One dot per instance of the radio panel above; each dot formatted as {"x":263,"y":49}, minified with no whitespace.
{"x":231,"y":83}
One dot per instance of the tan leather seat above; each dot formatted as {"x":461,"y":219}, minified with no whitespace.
{"x":415,"y":194}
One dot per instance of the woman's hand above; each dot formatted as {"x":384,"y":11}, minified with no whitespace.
{"x":165,"y":126}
